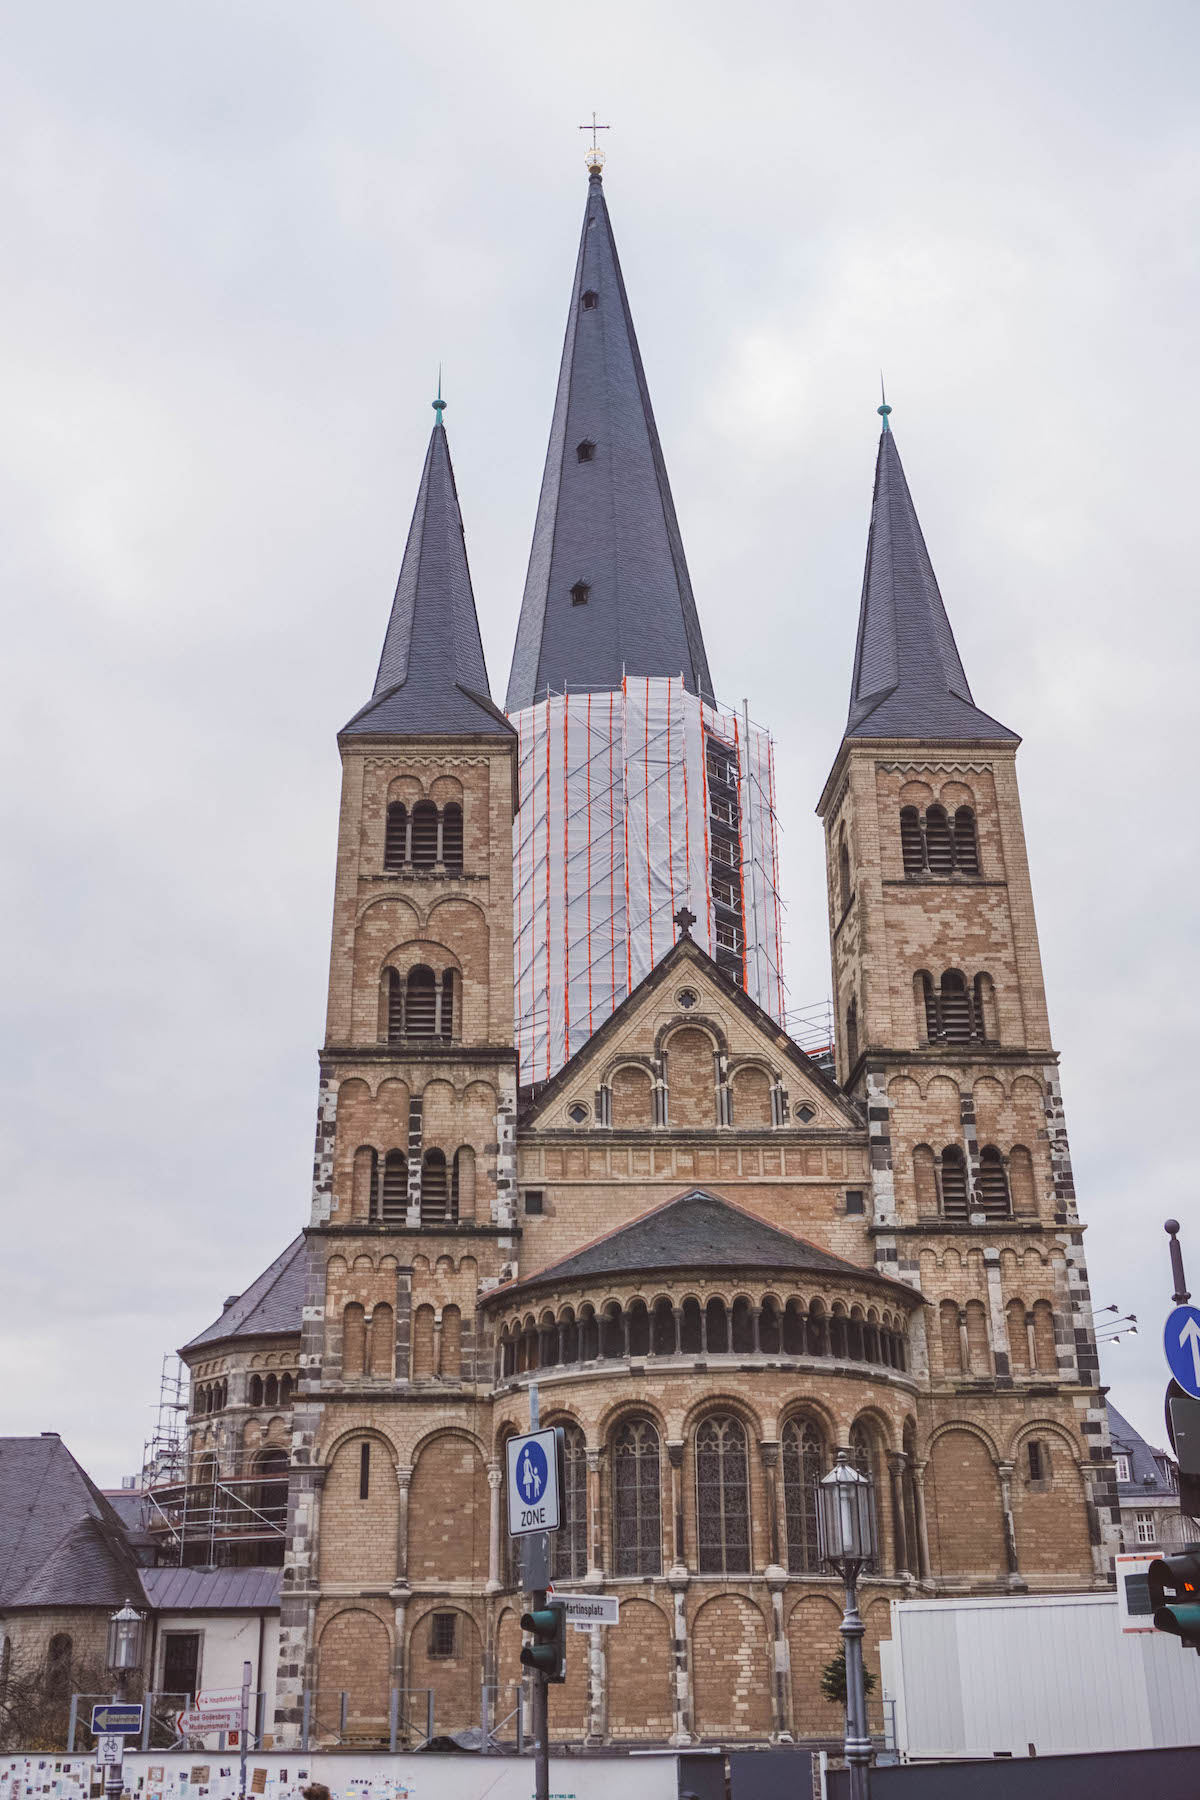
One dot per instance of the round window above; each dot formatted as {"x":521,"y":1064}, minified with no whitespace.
{"x":577,"y":1113}
{"x":686,"y":997}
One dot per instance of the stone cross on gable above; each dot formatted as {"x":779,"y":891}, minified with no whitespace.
{"x":685,"y":920}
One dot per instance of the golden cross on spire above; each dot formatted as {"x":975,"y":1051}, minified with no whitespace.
{"x":595,"y":156}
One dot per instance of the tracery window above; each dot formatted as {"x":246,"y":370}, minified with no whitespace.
{"x":570,"y":1540}
{"x":637,"y":1499}
{"x":722,"y":1497}
{"x":803,"y":1467}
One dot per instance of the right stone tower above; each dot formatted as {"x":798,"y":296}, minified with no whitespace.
{"x":943,"y":1035}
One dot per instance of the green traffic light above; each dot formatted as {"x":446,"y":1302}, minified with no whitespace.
{"x":548,"y":1653}
{"x":1182,"y":1619}
{"x":541,"y":1623}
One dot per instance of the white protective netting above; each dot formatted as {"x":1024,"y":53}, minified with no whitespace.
{"x":613,"y":837}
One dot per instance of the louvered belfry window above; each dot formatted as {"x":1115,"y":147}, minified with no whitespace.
{"x":912,"y":846}
{"x":447,"y":1019}
{"x":395,"y":843}
{"x":992,"y":1188}
{"x":435,"y":1189}
{"x":570,"y":1540}
{"x":966,"y":846}
{"x":637,"y":1499}
{"x":452,"y":837}
{"x":803,"y":1467}
{"x":722,"y":1497}
{"x":424,"y":835}
{"x":421,"y":1009}
{"x":395,"y":1188}
{"x":939,"y":846}
{"x":395,"y":1006}
{"x":958,"y":1025}
{"x":954,"y":1183}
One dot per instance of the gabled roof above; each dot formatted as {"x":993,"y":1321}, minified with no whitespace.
{"x":686,"y":949}
{"x":908,"y":680}
{"x":697,"y":1230}
{"x":61,"y":1543}
{"x":608,"y":521}
{"x":270,"y":1305}
{"x":1145,"y":1472}
{"x":432,"y":679}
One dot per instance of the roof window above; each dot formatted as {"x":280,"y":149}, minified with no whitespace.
{"x":586,"y":452}
{"x":591,"y":300}
{"x":579,"y":593}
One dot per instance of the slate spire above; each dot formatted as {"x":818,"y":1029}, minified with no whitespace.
{"x":432,"y":678}
{"x":608,"y":588}
{"x":908,"y":681}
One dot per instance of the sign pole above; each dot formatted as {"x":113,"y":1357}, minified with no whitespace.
{"x":541,"y":1692}
{"x":245,"y":1722}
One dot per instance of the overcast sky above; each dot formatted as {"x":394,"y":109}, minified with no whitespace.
{"x":238,"y":240}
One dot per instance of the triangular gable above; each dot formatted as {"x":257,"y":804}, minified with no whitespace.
{"x":807,"y":1083}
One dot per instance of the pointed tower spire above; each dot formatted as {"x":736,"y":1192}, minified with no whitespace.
{"x":432,"y":678}
{"x":908,"y":680}
{"x":608,"y":590}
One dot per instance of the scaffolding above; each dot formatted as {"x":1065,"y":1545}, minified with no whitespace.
{"x":635,"y":804}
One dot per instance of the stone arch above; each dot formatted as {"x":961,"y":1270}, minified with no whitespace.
{"x":448,"y":1510}
{"x":454,"y":1677}
{"x":691,"y":1075}
{"x":1050,"y":1514}
{"x":639,"y":1674}
{"x":812,"y":1632}
{"x":731,"y":1678}
{"x":354,"y":1657}
{"x":359,"y":1531}
{"x":965,"y":1520}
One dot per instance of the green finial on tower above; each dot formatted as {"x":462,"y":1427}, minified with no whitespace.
{"x":439,"y":405}
{"x":885,"y":409}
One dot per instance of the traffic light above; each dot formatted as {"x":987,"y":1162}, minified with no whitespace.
{"x":1174,"y":1584}
{"x":548,"y":1651}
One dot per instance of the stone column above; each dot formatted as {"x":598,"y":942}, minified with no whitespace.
{"x":595,"y":1572}
{"x":918,"y":1474}
{"x":403,"y":1477}
{"x":678,"y":1553}
{"x":400,"y":1596}
{"x":964,"y":1347}
{"x":756,"y":1321}
{"x":897,"y":1462}
{"x":678,"y":1312}
{"x":781,"y":1664}
{"x":1005,"y":1471}
{"x":495,"y":1475}
{"x":1031,"y":1341}
{"x":597,"y":1707}
{"x":769,"y":1451}
{"x":437,"y":1343}
{"x":681,"y":1732}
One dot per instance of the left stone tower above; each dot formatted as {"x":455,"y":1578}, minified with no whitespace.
{"x":413,"y":1180}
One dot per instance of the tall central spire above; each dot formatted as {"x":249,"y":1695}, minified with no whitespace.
{"x":608,"y":591}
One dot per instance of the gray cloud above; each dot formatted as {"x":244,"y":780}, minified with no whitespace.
{"x":239,"y":241}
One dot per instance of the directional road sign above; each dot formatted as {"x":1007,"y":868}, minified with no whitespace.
{"x":219,"y":1699}
{"x":1181,"y":1340}
{"x":196,"y":1723}
{"x":533,"y":1488}
{"x":116,"y":1718}
{"x":110,"y":1750}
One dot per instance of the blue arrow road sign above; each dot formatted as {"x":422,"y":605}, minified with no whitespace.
{"x":1181,"y":1340}
{"x":118,"y":1721}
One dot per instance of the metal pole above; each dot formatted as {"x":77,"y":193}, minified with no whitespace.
{"x":114,"y":1774}
{"x":393,"y":1718}
{"x":71,"y":1725}
{"x":146,"y":1717}
{"x":305,"y":1718}
{"x":858,"y":1738}
{"x":1181,"y":1295}
{"x":244,"y":1722}
{"x":541,"y":1721}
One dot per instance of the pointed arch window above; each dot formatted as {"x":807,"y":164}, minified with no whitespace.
{"x":637,"y":1499}
{"x":803,"y":1467}
{"x":570,"y":1540}
{"x":722,"y":1497}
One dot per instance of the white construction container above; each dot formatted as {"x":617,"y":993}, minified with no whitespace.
{"x":976,"y":1677}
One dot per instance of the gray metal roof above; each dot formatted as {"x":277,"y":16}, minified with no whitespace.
{"x":270,"y":1305}
{"x":908,"y":679}
{"x":1146,"y":1473}
{"x":610,"y":521}
{"x":213,"y":1590}
{"x":61,"y":1544}
{"x":697,"y":1230}
{"x":432,"y":678}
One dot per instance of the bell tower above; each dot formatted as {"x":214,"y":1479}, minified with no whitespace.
{"x":413,"y":1186}
{"x":942,"y":1028}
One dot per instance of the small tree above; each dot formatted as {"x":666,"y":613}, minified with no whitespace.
{"x":833,"y":1678}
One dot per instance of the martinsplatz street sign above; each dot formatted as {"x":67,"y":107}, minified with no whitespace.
{"x":534,"y":1498}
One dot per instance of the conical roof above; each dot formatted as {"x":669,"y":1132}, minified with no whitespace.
{"x":606,"y":525}
{"x":432,"y":678}
{"x":909,"y":681}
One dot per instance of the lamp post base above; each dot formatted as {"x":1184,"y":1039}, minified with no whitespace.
{"x":857,"y":1743}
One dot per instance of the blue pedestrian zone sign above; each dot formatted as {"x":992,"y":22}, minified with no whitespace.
{"x":533,"y":1497}
{"x":116,"y":1720}
{"x":1181,"y":1340}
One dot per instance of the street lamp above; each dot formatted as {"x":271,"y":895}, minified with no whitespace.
{"x":126,"y":1635}
{"x":846,"y":1536}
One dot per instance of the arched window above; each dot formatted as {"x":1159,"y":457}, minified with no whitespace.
{"x":420,"y":1009}
{"x":58,"y":1665}
{"x":393,"y":1209}
{"x":285,"y":1391}
{"x":770,"y":1340}
{"x":927,"y":1006}
{"x":939,"y":846}
{"x":354,"y":1340}
{"x":662,"y":1330}
{"x":843,"y":872}
{"x":382,"y":1348}
{"x":793,"y":1329}
{"x":256,"y":1390}
{"x":435,"y":1193}
{"x":954,"y":1183}
{"x":966,"y":844}
{"x":979,"y":1348}
{"x":991,"y":1190}
{"x":446,"y":1022}
{"x":452,"y":838}
{"x":271,"y":1391}
{"x":951,"y":1340}
{"x":395,"y":842}
{"x":570,"y":1540}
{"x":690,"y":1338}
{"x":271,"y":1498}
{"x":365,"y":1199}
{"x":637,"y":1501}
{"x":803,"y":1467}
{"x":987,"y":1024}
{"x":912,"y":845}
{"x":925,"y":1181}
{"x":424,"y":834}
{"x":716,"y":1325}
{"x":722,"y":1497}
{"x":741,"y":1328}
{"x":864,"y":1453}
{"x":851,"y":1034}
{"x":957,"y":1013}
{"x":1044,"y":1348}
{"x":639,"y":1329}
{"x":612,"y":1332}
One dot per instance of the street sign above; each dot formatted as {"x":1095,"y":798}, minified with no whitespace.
{"x":1181,"y":1341}
{"x":114,"y":1717}
{"x":110,"y":1751}
{"x":1133,"y":1594}
{"x":219,"y":1699}
{"x":590,"y":1609}
{"x":533,"y":1485}
{"x":196,"y":1723}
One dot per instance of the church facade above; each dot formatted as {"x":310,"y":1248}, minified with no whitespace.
{"x":719,"y":1261}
